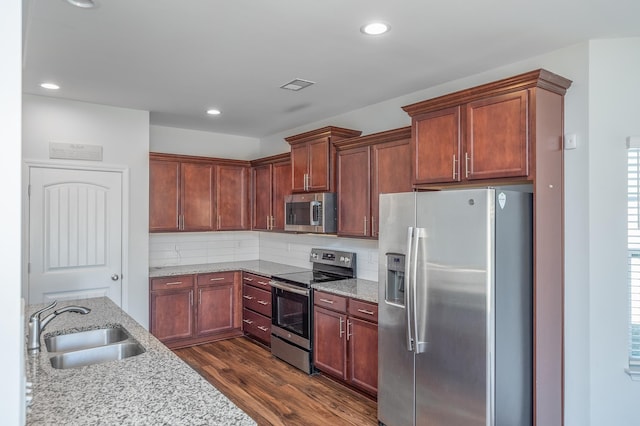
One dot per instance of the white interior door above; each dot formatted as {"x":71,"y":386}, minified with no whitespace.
{"x":75,"y":234}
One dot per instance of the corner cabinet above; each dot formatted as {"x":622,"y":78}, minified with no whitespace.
{"x":270,"y":183}
{"x":509,"y":132}
{"x":346,"y":340}
{"x":313,"y":158}
{"x":197,"y":194}
{"x":367,"y":167}
{"x":187,"y":310}
{"x":485,"y":133}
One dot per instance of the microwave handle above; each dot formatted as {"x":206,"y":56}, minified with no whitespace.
{"x":315,"y":213}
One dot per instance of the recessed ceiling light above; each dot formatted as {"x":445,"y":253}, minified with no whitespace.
{"x":50,"y":86}
{"x":213,"y":112}
{"x":375,"y":28}
{"x":85,"y":4}
{"x":297,"y":84}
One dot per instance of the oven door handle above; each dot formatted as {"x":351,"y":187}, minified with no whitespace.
{"x":292,"y":289}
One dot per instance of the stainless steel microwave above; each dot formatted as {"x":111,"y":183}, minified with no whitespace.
{"x":311,"y":212}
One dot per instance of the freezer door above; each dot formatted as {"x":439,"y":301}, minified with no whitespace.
{"x":395,"y":361}
{"x":453,"y":296}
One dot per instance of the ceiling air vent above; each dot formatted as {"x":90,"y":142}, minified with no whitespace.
{"x":297,"y":84}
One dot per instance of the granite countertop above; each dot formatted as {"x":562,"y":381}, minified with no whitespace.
{"x":155,"y":387}
{"x":356,"y":288}
{"x":260,"y":267}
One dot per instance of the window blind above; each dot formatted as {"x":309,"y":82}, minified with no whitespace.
{"x":633,"y":253}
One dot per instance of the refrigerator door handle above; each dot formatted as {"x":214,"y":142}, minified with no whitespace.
{"x":408,"y":303}
{"x":420,"y":315}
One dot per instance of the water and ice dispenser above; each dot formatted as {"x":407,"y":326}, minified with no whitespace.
{"x":395,"y":279}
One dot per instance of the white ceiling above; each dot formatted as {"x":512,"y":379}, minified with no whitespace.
{"x":177,"y":58}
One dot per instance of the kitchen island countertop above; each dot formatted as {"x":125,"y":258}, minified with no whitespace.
{"x":155,"y":387}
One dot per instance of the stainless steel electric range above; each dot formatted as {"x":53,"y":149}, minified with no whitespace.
{"x":292,"y":305}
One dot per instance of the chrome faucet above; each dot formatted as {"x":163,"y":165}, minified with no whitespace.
{"x":36,"y":325}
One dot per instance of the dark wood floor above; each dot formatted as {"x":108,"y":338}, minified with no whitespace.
{"x":274,"y":393}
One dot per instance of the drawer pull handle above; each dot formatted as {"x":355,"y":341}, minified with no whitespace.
{"x":262,"y":283}
{"x":263,"y":328}
{"x":174,"y":283}
{"x":248,"y":279}
{"x":247,"y":321}
{"x":248,"y":297}
{"x":216,"y":279}
{"x":262,"y":302}
{"x":364,"y":311}
{"x":327,"y":301}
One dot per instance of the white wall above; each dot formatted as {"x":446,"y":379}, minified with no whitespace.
{"x":13,"y":342}
{"x":206,"y":144}
{"x":614,"y":114}
{"x":124,"y":135}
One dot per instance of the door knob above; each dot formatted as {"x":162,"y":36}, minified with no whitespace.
{"x":115,"y":277}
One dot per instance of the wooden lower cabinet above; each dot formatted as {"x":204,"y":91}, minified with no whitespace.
{"x":192,"y":309}
{"x":346,"y":340}
{"x":256,"y":312}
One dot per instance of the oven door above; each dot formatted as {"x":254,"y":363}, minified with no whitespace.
{"x":290,"y":313}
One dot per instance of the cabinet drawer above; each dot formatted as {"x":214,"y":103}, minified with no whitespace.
{"x":171,"y":283}
{"x":365,"y":310}
{"x":256,"y":280}
{"x":256,"y":325}
{"x":216,"y":278}
{"x":330,"y":301}
{"x":256,"y":299}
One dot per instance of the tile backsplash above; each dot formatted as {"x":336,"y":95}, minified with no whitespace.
{"x":291,"y":249}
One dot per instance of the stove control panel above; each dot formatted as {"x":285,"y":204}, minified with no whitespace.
{"x":333,"y":257}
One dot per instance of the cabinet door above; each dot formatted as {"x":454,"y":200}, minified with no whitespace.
{"x":164,"y":190}
{"x":319,"y":165}
{"x":330,"y":345}
{"x":262,"y":195}
{"x":299,"y":167}
{"x":435,"y":145}
{"x":497,"y":143}
{"x":215,"y":310}
{"x":389,"y":174}
{"x":232,"y":197}
{"x":354,"y":215}
{"x":197,"y":196}
{"x":363,"y":354}
{"x":281,"y":188}
{"x":172,"y":314}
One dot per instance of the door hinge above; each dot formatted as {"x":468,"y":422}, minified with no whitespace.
{"x":29,"y":268}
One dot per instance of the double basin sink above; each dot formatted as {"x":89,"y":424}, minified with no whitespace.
{"x":82,"y":348}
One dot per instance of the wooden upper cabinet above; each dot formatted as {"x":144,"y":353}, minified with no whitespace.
{"x":367,"y":167}
{"x":436,"y":146}
{"x":320,"y":156}
{"x":354,"y":192}
{"x":497,"y":142}
{"x":188,"y":193}
{"x":482,"y":133}
{"x":164,"y":195}
{"x":197,"y":181}
{"x":281,"y":188}
{"x":313,"y":158}
{"x":271,"y":182}
{"x":262,"y":196}
{"x":232,"y":197}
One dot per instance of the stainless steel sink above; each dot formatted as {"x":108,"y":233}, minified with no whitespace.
{"x":97,"y":355}
{"x":85,"y":339}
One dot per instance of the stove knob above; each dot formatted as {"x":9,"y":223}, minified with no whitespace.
{"x":342,"y":259}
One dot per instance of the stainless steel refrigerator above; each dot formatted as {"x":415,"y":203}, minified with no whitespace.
{"x":455,"y":308}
